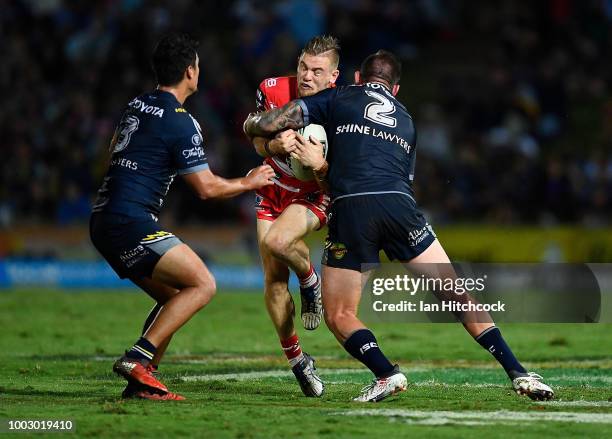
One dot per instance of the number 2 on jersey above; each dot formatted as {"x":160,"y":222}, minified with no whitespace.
{"x":379,"y":111}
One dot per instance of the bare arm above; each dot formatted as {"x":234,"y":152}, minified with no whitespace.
{"x":205,"y":184}
{"x":272,"y":121}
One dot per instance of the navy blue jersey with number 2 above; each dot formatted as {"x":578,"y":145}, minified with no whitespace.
{"x":155,"y":140}
{"x":371,"y":139}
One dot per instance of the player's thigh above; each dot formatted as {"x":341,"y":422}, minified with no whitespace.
{"x":263,"y":227}
{"x":406,"y":233}
{"x":180,"y":268}
{"x":294,"y":223}
{"x":432,"y":262}
{"x":275,"y":271}
{"x":341,"y":290}
{"x":353,"y":235}
{"x":126,"y":244}
{"x":317,"y":203}
{"x":434,"y":254}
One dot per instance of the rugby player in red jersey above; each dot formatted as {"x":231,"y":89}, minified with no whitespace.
{"x":290,"y":209}
{"x":369,"y":177}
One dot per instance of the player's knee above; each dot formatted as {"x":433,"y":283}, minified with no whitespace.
{"x":330,"y":321}
{"x":277,"y":244}
{"x":337,"y":319}
{"x":206,"y":288}
{"x":210,"y":288}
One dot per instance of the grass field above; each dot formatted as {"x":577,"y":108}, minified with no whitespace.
{"x":57,"y":348}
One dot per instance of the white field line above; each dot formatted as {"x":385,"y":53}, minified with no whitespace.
{"x":443,"y":417}
{"x":213,"y":359}
{"x":430,"y":384}
{"x":103,"y":358}
{"x":579,"y":403}
{"x":328,"y":374}
{"x":243,"y":376}
{"x":581,"y":378}
{"x":258,"y":375}
{"x":434,"y":383}
{"x":222,"y":357}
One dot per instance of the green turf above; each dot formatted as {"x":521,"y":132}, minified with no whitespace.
{"x":57,"y":348}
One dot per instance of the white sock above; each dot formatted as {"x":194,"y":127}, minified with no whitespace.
{"x":296,"y":360}
{"x":310,"y":280}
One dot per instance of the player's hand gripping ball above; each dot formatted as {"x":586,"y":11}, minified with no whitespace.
{"x":300,"y":171}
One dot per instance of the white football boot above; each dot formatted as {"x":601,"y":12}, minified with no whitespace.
{"x":382,"y":388}
{"x":306,"y":374}
{"x":532,"y":386}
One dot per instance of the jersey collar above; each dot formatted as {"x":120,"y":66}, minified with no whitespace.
{"x":165,"y":95}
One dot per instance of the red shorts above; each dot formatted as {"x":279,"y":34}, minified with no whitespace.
{"x":271,"y":201}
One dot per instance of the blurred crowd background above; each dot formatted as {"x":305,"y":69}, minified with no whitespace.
{"x":512,"y":99}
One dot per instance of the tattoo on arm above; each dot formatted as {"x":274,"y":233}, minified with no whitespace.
{"x":272,"y":121}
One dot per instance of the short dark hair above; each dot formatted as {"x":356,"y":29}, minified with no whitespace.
{"x":321,"y":44}
{"x":381,"y":65}
{"x":171,"y":57}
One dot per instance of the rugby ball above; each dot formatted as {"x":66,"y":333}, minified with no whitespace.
{"x":300,"y":171}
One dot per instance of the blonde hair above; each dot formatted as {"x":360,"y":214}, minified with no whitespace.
{"x":320,"y":45}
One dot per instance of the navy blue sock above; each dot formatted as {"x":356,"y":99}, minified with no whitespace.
{"x":363,"y":346}
{"x":151,"y":317}
{"x":492,"y":340}
{"x":143,"y":349}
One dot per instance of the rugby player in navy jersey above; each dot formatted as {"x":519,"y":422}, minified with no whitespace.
{"x":156,"y":140}
{"x":369,"y":172}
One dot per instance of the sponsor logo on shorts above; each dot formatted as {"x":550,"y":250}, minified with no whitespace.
{"x":418,"y":235}
{"x":156,"y":237}
{"x":336,"y":249}
{"x":258,"y":200}
{"x":131,"y":257}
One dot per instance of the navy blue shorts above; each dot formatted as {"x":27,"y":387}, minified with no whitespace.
{"x":361,"y":226}
{"x":132,"y":246}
